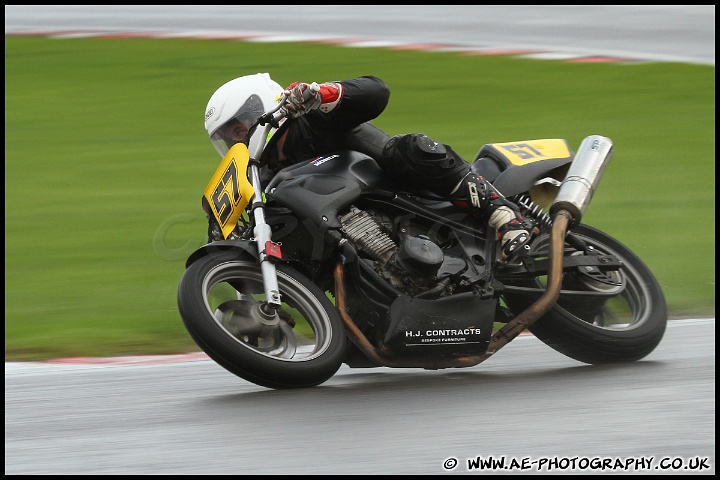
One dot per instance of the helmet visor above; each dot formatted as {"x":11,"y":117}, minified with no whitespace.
{"x":240,"y":127}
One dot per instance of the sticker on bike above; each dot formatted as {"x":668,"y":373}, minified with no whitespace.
{"x":529,"y":151}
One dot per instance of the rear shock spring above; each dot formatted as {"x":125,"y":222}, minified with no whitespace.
{"x":531,"y":209}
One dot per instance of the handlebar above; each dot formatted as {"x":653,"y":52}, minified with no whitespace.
{"x":270,"y":117}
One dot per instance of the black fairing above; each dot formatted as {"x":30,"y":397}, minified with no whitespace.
{"x":318,"y":189}
{"x":451,"y":326}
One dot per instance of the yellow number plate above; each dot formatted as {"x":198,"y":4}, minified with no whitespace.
{"x":229,"y":190}
{"x":522,"y":153}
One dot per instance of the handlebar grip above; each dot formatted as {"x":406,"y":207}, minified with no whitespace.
{"x":309,"y":92}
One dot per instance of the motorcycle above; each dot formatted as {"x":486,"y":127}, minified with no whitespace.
{"x":331,"y":264}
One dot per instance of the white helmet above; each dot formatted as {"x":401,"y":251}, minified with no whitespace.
{"x":234,"y":108}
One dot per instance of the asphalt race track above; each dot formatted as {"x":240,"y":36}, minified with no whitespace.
{"x":527,"y":404}
{"x":529,"y":407}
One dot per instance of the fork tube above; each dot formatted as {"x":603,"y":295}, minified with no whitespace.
{"x":263,"y":234}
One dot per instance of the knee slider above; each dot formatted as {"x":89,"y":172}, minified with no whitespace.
{"x":424,"y":148}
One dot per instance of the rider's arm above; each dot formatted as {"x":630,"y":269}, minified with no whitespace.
{"x":363,"y":99}
{"x":316,"y":132}
{"x":341,"y":105}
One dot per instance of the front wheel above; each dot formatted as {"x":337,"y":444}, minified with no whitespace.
{"x":600,"y":316}
{"x":221,"y":302}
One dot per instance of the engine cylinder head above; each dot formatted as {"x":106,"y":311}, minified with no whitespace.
{"x":367,"y":235}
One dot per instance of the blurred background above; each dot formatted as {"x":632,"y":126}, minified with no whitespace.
{"x":106,"y":157}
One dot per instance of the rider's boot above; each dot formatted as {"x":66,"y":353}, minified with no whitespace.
{"x":514,"y":231}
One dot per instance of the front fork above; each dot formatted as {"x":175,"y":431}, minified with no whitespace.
{"x":268,"y":250}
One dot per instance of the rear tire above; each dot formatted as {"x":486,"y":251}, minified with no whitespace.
{"x":623,"y":323}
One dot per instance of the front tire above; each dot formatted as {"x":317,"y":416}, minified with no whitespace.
{"x":220,"y":298}
{"x":599,"y":318}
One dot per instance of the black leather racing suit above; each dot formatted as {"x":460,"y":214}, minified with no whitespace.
{"x":414,"y":161}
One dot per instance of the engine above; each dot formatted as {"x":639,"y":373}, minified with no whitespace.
{"x":442,"y":306}
{"x":411,"y":266}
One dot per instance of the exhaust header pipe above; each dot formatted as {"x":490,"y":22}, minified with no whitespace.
{"x":582,"y":179}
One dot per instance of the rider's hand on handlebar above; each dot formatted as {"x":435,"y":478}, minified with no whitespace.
{"x":303,"y":97}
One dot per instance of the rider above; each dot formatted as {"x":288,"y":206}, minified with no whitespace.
{"x":337,"y":117}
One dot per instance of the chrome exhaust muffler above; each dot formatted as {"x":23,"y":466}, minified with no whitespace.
{"x":583,"y":177}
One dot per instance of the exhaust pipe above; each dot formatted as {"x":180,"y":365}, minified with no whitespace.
{"x":582,"y":179}
{"x":566,"y":211}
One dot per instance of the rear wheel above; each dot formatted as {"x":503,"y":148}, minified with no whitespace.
{"x":221,"y":301}
{"x":601,"y":316}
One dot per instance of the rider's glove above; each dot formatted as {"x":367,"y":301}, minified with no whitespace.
{"x":302,"y":98}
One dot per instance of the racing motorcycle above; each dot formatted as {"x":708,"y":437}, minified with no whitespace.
{"x":331,"y":264}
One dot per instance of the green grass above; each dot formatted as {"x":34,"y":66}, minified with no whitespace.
{"x":106,"y":159}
